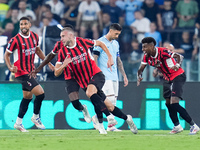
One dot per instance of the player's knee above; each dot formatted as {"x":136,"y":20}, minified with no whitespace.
{"x":40,"y":97}
{"x":89,"y":93}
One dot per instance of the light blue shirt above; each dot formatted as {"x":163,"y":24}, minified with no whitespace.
{"x":130,"y":8}
{"x":156,"y":35}
{"x":113,"y":47}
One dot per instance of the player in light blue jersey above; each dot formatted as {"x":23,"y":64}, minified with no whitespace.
{"x":111,"y":85}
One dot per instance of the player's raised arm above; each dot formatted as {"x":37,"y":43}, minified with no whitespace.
{"x":139,"y":73}
{"x":105,"y":49}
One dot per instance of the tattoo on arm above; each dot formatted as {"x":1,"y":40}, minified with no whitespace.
{"x":120,"y":66}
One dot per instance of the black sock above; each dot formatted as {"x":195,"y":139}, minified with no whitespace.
{"x":118,"y":113}
{"x":98,"y":102}
{"x":173,"y":115}
{"x":183,"y":113}
{"x":77,"y":105}
{"x":99,"y":115}
{"x":23,"y":107}
{"x":37,"y":103}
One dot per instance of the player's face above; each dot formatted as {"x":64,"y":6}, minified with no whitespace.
{"x":66,"y":38}
{"x":147,"y":48}
{"x":25,"y":27}
{"x":115,"y":34}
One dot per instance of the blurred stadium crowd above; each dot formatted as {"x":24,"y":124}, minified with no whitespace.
{"x":168,"y":21}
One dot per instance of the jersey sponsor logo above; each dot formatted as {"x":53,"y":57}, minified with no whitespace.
{"x":29,"y":83}
{"x":29,"y":51}
{"x":79,"y":58}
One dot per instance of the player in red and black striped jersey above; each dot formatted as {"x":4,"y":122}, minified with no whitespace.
{"x":76,"y":56}
{"x":164,"y":60}
{"x":24,"y":46}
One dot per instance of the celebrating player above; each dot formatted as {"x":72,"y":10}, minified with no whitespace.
{"x":164,"y":60}
{"x":24,"y":46}
{"x":76,"y":57}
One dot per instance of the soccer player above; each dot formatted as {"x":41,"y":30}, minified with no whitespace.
{"x":164,"y":60}
{"x":24,"y":46}
{"x":76,"y":56}
{"x":111,"y":85}
{"x":72,"y":86}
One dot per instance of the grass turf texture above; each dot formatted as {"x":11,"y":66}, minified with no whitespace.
{"x":92,"y":140}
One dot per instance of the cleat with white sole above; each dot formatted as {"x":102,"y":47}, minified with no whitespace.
{"x":131,"y":124}
{"x":20,"y":127}
{"x":38,"y":123}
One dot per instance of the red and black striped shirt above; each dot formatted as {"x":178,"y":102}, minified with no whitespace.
{"x":83,"y":66}
{"x":166,"y":60}
{"x":23,"y":49}
{"x":57,"y":47}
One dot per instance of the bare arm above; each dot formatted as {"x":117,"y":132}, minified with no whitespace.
{"x":12,"y":69}
{"x":105,"y":49}
{"x":121,"y":69}
{"x":60,"y":67}
{"x":47,"y":59}
{"x":139,"y":73}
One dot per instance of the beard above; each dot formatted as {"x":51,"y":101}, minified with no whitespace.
{"x":24,"y":31}
{"x":67,"y":43}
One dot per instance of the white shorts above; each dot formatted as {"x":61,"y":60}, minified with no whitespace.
{"x":111,"y":88}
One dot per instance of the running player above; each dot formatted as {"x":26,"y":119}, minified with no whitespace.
{"x":24,"y":46}
{"x":164,"y":60}
{"x":111,"y":85}
{"x":76,"y":56}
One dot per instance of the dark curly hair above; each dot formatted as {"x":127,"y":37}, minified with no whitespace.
{"x":149,"y":40}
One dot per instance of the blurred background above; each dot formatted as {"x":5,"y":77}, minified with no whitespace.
{"x":175,"y":22}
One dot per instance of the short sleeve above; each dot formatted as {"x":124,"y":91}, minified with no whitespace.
{"x":89,"y":43}
{"x":57,"y":47}
{"x":12,"y":45}
{"x":144,"y":60}
{"x":60,"y":58}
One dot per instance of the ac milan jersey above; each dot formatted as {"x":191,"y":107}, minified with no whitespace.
{"x":83,"y":66}
{"x":163,"y":60}
{"x":23,"y":49}
{"x":57,"y":47}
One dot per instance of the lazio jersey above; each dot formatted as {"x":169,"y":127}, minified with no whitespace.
{"x":113,"y":47}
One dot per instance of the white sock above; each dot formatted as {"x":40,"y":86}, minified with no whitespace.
{"x":35,"y":115}
{"x":19,"y":120}
{"x":101,"y":125}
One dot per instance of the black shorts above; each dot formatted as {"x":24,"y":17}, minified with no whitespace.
{"x":71,"y":86}
{"x":175,"y":87}
{"x":98,"y":81}
{"x":27,"y":83}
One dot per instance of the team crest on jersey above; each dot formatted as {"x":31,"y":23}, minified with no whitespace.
{"x":29,"y":83}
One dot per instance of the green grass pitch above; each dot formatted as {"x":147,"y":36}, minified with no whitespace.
{"x":92,"y":140}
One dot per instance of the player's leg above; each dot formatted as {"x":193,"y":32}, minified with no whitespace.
{"x":36,"y":89}
{"x":177,"y":90}
{"x":118,"y":113}
{"x":172,"y":113}
{"x":95,"y":85}
{"x":111,"y":91}
{"x":72,"y":88}
{"x":27,"y":97}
